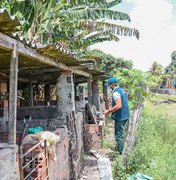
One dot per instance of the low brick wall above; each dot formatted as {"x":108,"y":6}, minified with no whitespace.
{"x":9,"y":167}
{"x":93,"y":135}
{"x":60,"y":170}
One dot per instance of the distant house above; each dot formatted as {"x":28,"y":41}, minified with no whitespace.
{"x":168,"y":83}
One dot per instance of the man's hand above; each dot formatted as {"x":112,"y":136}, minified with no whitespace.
{"x":106,"y":112}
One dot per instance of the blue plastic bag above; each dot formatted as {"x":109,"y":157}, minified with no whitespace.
{"x":140,"y":176}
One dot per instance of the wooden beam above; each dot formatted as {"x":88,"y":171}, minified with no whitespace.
{"x":89,"y":90}
{"x":19,"y":79}
{"x":95,"y":94}
{"x":105,"y":95}
{"x":7,"y":43}
{"x":73,"y":70}
{"x":47,"y":92}
{"x":13,"y":95}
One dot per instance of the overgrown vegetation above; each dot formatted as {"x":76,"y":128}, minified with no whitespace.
{"x":106,"y":62}
{"x":137,"y":84}
{"x":171,"y":68}
{"x":154,"y":153}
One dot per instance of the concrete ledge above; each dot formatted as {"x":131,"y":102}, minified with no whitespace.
{"x":9,"y":168}
{"x":104,"y":166}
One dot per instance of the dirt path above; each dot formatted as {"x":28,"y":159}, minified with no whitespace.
{"x":91,"y":171}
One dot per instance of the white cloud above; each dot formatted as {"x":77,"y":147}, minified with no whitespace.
{"x":158,"y":34}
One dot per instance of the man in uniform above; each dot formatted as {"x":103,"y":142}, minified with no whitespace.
{"x":120,"y":111}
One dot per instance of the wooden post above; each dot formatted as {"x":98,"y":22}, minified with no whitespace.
{"x":47,"y":94}
{"x":132,"y":129}
{"x":95,"y":94}
{"x":13,"y":95}
{"x":105,"y":95}
{"x":89,"y":90}
{"x":31,"y":94}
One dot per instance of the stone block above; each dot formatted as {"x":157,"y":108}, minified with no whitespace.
{"x":104,"y":166}
{"x":93,"y":135}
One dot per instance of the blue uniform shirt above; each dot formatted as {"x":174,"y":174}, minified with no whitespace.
{"x":123,"y":113}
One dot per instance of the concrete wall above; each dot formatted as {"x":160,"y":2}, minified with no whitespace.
{"x":38,"y":112}
{"x":4,"y":119}
{"x":9,"y":168}
{"x":79,"y":130}
{"x":46,"y":124}
{"x":59,"y":170}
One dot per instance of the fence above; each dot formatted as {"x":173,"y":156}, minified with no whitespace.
{"x":164,"y":91}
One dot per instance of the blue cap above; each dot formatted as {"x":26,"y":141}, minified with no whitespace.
{"x":111,"y":80}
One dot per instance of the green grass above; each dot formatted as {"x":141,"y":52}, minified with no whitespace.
{"x":154,"y":153}
{"x":105,"y":143}
{"x":165,"y":109}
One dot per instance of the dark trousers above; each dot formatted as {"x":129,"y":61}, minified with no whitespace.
{"x":119,"y":134}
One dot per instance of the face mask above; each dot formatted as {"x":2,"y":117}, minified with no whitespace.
{"x":111,"y":88}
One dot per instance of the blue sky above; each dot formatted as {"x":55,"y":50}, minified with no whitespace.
{"x":156,"y":21}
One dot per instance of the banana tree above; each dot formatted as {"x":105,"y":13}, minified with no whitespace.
{"x":86,"y":22}
{"x":79,"y":23}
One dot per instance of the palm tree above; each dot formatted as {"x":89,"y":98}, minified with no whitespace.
{"x":156,"y":69}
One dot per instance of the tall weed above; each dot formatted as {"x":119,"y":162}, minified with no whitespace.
{"x":154,"y":153}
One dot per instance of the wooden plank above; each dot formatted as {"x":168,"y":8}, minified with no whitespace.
{"x":132,"y":130}
{"x":93,"y":118}
{"x":7,"y":42}
{"x":13,"y":95}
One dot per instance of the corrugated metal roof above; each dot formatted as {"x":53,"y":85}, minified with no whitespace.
{"x":23,"y":40}
{"x":60,"y":52}
{"x":8,"y":24}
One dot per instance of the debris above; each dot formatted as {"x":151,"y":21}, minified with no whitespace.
{"x":140,"y":176}
{"x":84,"y":177}
{"x":94,"y":153}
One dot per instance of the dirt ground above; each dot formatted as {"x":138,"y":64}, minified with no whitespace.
{"x":90,"y":171}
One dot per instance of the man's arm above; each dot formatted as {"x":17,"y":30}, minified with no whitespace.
{"x":115,"y":108}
